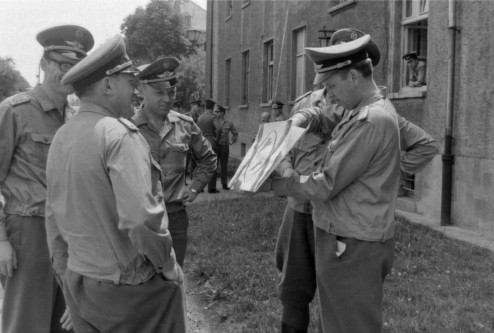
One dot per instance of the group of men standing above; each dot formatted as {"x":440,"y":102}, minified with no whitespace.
{"x":97,"y":207}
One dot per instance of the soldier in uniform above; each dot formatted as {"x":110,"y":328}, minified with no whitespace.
{"x":205,"y":123}
{"x":278,"y":111}
{"x":171,"y":135}
{"x":353,"y":192}
{"x":295,"y":244}
{"x":416,"y":70}
{"x":224,"y":128}
{"x":33,"y":302}
{"x":106,"y":222}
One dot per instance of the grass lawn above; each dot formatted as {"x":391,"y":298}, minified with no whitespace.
{"x":437,"y":284}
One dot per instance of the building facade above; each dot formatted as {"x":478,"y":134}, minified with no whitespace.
{"x":255,"y":55}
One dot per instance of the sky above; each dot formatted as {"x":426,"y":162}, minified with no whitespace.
{"x":21,"y":20}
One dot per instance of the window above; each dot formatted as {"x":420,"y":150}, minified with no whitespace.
{"x":245,"y":78}
{"x":268,"y":82}
{"x":228,"y":67}
{"x":298,"y":83}
{"x":414,"y":28}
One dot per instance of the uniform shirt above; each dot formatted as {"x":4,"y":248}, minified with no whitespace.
{"x":279,"y":118}
{"x":28,"y":122}
{"x":354,"y":191}
{"x":307,"y":154}
{"x":223,"y":131}
{"x":417,"y":74}
{"x":169,"y":148}
{"x":205,"y":123}
{"x":100,"y":211}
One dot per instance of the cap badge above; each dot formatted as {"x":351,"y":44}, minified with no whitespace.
{"x":165,"y":75}
{"x":166,"y":64}
{"x":79,"y":34}
{"x":353,"y":36}
{"x":76,"y":44}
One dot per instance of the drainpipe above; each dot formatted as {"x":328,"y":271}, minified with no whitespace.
{"x":448,"y":157}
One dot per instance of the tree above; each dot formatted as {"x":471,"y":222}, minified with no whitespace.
{"x":155,"y":31}
{"x":191,"y":76}
{"x":11,"y":80}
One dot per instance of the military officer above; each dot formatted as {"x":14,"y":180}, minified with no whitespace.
{"x":205,"y":123}
{"x":171,"y":135}
{"x":277,"y":108}
{"x":106,"y":225}
{"x":226,"y":135}
{"x":416,"y":69}
{"x":353,"y":192}
{"x":28,"y":121}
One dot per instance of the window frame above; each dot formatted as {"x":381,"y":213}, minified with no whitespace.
{"x":295,"y":57}
{"x":227,"y":81}
{"x":244,"y":98}
{"x":268,"y":71}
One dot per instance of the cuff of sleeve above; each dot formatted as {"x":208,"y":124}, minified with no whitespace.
{"x":196,"y":185}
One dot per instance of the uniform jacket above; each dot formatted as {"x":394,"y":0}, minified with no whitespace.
{"x":100,"y":211}
{"x":205,"y":123}
{"x":223,"y":132}
{"x":354,"y":190}
{"x":169,"y":148}
{"x":28,"y":122}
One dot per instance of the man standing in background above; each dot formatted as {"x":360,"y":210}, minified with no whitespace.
{"x":205,"y":123}
{"x":224,"y":128}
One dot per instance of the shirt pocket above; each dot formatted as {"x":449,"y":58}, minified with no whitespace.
{"x":40,"y":143}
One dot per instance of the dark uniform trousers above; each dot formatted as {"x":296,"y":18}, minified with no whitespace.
{"x":350,"y":287}
{"x":33,"y":301}
{"x":212,"y":181}
{"x":294,"y":257}
{"x":155,"y":306}
{"x":223,"y":154}
{"x":178,"y":223}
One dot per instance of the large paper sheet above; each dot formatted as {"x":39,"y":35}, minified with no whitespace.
{"x":273,"y":141}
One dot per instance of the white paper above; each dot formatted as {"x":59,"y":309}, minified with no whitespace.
{"x":273,"y":141}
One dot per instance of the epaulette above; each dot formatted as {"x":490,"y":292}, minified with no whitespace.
{"x":303,"y":96}
{"x":127,"y":123}
{"x":20,"y":99}
{"x":364,"y":113}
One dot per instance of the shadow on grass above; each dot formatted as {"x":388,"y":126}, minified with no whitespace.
{"x":437,"y":284}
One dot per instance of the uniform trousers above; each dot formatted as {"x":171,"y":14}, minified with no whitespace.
{"x":350,"y":287}
{"x":178,"y":223}
{"x":33,"y":301}
{"x":212,"y":180}
{"x":223,"y":154}
{"x":154,"y":306}
{"x":294,"y":256}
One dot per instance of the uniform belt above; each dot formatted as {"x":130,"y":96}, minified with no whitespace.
{"x":172,"y":207}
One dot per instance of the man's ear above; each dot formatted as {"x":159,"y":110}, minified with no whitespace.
{"x":108,"y":86}
{"x":355,"y":76}
{"x":43,"y":63}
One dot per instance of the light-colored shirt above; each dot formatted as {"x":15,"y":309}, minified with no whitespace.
{"x":354,"y":191}
{"x":101,"y":212}
{"x":169,"y":148}
{"x":28,"y":122}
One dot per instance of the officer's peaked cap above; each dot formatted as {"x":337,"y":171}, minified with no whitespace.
{"x":161,"y":70}
{"x":71,"y":41}
{"x":348,"y":34}
{"x":108,"y":59}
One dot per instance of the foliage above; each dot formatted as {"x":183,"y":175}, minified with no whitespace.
{"x":155,"y":31}
{"x":437,"y":284}
{"x":11,"y":80}
{"x":191,"y":75}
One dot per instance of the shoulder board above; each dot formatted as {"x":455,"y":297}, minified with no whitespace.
{"x":127,"y":123}
{"x":182,"y":116}
{"x":364,"y":113}
{"x":20,"y":99}
{"x":303,"y":96}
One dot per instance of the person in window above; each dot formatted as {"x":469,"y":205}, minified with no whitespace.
{"x":416,"y":70}
{"x":265,"y":117}
{"x":278,"y":111}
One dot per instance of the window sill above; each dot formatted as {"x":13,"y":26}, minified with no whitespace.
{"x":265,"y":105}
{"x":245,"y":4}
{"x":243,"y":106}
{"x":408,"y":92}
{"x":341,"y":7}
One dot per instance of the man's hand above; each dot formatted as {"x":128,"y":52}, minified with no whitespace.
{"x":289,"y":172}
{"x":66,"y":320}
{"x":188,"y":195}
{"x":8,"y":259}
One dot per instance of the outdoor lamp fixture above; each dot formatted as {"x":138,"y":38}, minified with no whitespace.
{"x":325,"y":36}
{"x":194,"y":35}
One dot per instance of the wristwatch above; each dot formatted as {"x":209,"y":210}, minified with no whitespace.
{"x":192,"y":190}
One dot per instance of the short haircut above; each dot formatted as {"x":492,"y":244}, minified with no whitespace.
{"x":209,"y":104}
{"x":364,"y":67}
